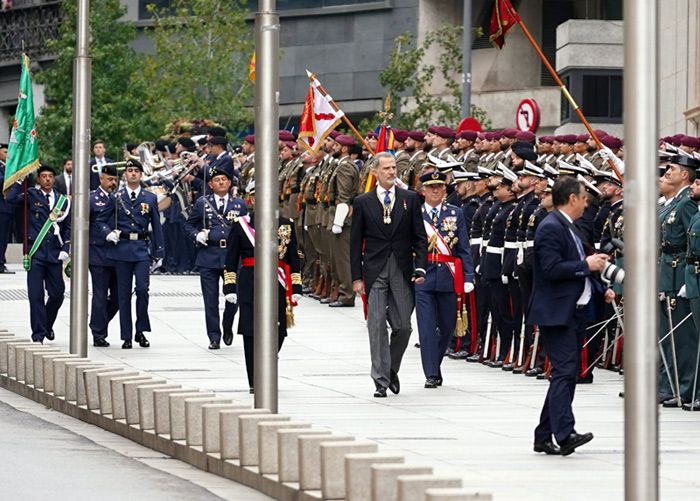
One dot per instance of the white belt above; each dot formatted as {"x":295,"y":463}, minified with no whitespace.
{"x":494,"y":250}
{"x":475,"y":241}
{"x":511,"y":245}
{"x":529,"y":244}
{"x":484,"y":243}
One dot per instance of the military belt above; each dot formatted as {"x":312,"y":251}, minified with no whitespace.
{"x":692,"y":259}
{"x":218,"y":243}
{"x":667,"y":248}
{"x":132,"y":236}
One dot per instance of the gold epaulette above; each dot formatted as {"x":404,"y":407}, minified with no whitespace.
{"x":229,"y":278}
{"x":296,"y":278}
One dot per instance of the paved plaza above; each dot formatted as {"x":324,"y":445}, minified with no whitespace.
{"x":478,"y":425}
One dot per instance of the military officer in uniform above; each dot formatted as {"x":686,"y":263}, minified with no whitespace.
{"x":48,"y":220}
{"x":105,"y":296}
{"x":403,"y":157}
{"x":449,"y":276}
{"x":247,"y":173}
{"x":127,"y":228}
{"x":208,"y":226}
{"x":239,"y":287}
{"x":414,"y":146}
{"x":7,"y":213}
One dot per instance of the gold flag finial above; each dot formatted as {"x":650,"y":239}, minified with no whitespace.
{"x":386,"y":115}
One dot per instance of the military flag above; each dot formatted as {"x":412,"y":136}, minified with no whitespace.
{"x":503,"y":18}
{"x":385,"y":139}
{"x":23,"y":148}
{"x":320,"y":116}
{"x":251,"y":68}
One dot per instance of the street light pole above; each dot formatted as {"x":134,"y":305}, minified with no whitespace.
{"x":267,"y":29}
{"x":467,"y":59}
{"x":641,"y":303}
{"x":81,"y":183}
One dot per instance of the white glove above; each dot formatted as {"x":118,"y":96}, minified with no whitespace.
{"x":478,"y":267}
{"x":231,"y":298}
{"x":113,"y":237}
{"x":336,"y":229}
{"x":521,"y":255}
{"x":296,"y":297}
{"x":156,"y":264}
{"x":681,"y":293}
{"x":306,"y":228}
{"x":201,"y":238}
{"x":662,"y":296}
{"x":468,"y":287}
{"x":607,"y":154}
{"x":64,"y":256}
{"x":504,"y":279}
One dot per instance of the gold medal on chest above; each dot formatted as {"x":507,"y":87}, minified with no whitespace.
{"x":671,"y":217}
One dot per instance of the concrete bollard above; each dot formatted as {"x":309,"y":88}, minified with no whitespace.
{"x":358,"y":473}
{"x":38,"y":362}
{"x":288,"y":452}
{"x":211,"y":436}
{"x":229,"y":446}
{"x":131,"y":397}
{"x":161,"y":407}
{"x":447,"y":494}
{"x":28,"y":368}
{"x":12,"y":357}
{"x":267,"y":443}
{"x":413,"y":487}
{"x":104,"y":388}
{"x":117,"y":392}
{"x":48,"y":362}
{"x":4,"y":343}
{"x":146,"y":405}
{"x":92,"y":391}
{"x":384,"y":484}
{"x":79,"y":370}
{"x":178,"y":429}
{"x":59,"y":374}
{"x":194,"y":423}
{"x":70,"y":382}
{"x":333,"y":465}
{"x":310,"y":459}
{"x":248,"y":436}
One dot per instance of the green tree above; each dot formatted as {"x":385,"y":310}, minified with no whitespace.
{"x":409,"y":76}
{"x":117,"y":104}
{"x":200,"y":65}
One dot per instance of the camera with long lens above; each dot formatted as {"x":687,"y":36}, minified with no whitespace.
{"x":613,"y":273}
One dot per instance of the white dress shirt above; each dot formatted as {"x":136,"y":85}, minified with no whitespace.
{"x":381,"y":193}
{"x":585,"y":296}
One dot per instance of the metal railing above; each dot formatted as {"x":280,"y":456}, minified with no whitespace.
{"x":29,"y":22}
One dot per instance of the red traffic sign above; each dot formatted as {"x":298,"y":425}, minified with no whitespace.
{"x":527,"y":117}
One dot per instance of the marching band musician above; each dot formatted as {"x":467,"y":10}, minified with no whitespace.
{"x":239,"y":288}
{"x":209,"y":225}
{"x":450,"y":272}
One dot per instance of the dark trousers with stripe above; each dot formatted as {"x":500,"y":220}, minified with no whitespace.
{"x":128,"y":273}
{"x":44,"y":279}
{"x":436,"y":314}
{"x":501,"y":314}
{"x":105,"y":302}
{"x":209,"y":281}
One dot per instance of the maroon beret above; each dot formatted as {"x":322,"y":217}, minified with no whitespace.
{"x":469,"y":135}
{"x":345,"y":140}
{"x":416,"y":135}
{"x":676,"y":140}
{"x":690,"y":141}
{"x":285,"y":135}
{"x":582,"y":138}
{"x":526,"y":135}
{"x":546,"y":139}
{"x":334,"y":134}
{"x":372,"y":134}
{"x":566,"y":138}
{"x":400,"y":135}
{"x":432,"y":129}
{"x":497,"y":134}
{"x":444,"y":132}
{"x":600,"y":133}
{"x":611,"y":142}
{"x":510,"y":133}
{"x":250,"y":138}
{"x":290,"y":144}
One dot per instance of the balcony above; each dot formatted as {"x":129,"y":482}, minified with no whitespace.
{"x":29,"y":22}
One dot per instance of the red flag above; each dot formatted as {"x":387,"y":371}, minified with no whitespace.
{"x":504,"y":17}
{"x":318,"y":119}
{"x":385,"y":141}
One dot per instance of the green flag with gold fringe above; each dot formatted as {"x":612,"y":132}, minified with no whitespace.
{"x":23,"y":148}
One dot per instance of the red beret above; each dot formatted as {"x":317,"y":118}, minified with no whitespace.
{"x":690,"y":141}
{"x":250,"y":138}
{"x":546,"y":139}
{"x":400,"y":135}
{"x":582,"y":138}
{"x":334,"y":134}
{"x":526,"y":135}
{"x":510,"y":133}
{"x":611,"y":142}
{"x":285,"y":135}
{"x":676,"y":140}
{"x":444,"y":132}
{"x":416,"y":135}
{"x":490,"y":136}
{"x":566,"y":138}
{"x":600,"y":133}
{"x":432,"y":129}
{"x":290,"y":144}
{"x":345,"y":140}
{"x":371,"y":134}
{"x":469,"y":135}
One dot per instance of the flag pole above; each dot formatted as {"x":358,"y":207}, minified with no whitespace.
{"x":323,"y":91}
{"x":561,"y":85}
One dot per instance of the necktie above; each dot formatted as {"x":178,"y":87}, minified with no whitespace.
{"x":579,"y":246}
{"x":387,"y":198}
{"x":221,"y":206}
{"x":48,"y":199}
{"x":133,"y":197}
{"x":434,"y":215}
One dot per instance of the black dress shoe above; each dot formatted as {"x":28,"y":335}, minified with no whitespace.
{"x":693,"y":406}
{"x":394,"y":383}
{"x":548,"y":447}
{"x":228,"y":338}
{"x":101,"y":343}
{"x":4,"y":270}
{"x":587,"y":379}
{"x":662,"y":397}
{"x":508,"y":367}
{"x":672,"y":402}
{"x":496,"y":364}
{"x":314,"y":296}
{"x":573,"y":441}
{"x":126,"y":345}
{"x":51,"y":335}
{"x":340,"y":304}
{"x":431,"y":382}
{"x":380,"y":392}
{"x":326,"y":300}
{"x":458,"y":355}
{"x":519,"y":370}
{"x":251,"y":390}
{"x":214,"y":345}
{"x":534,"y":372}
{"x":474,"y":358}
{"x":141,"y":340}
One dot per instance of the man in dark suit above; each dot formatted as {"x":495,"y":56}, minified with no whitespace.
{"x":388,"y":253}
{"x":96,"y":163}
{"x":563,"y":285}
{"x":64,"y":181}
{"x":7,"y":213}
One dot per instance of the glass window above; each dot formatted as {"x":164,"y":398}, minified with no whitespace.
{"x":565,"y":106}
{"x":602,"y":96}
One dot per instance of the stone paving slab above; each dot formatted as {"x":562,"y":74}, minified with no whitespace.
{"x":479,"y":425}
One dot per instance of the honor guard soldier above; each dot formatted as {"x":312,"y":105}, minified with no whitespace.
{"x":343,"y":188}
{"x":208,"y":226}
{"x":414,"y":146}
{"x":403,"y":157}
{"x":678,"y":349}
{"x":135,"y":209}
{"x":440,"y":300}
{"x":247,"y":173}
{"x":48,"y":238}
{"x":239,"y":287}
{"x":469,"y":157}
{"x":105,"y":295}
{"x":7,"y":213}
